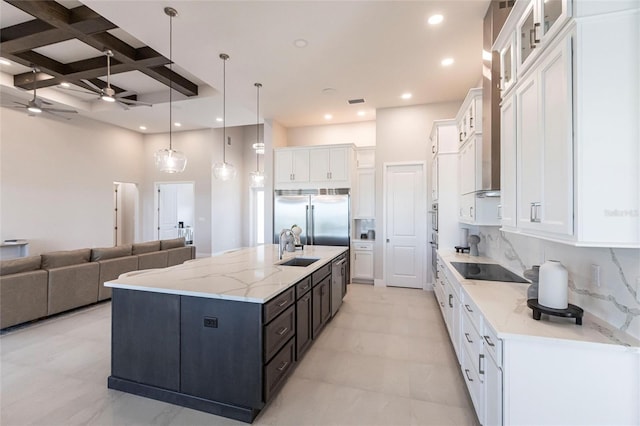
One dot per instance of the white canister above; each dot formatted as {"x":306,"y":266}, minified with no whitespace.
{"x":553,"y":287}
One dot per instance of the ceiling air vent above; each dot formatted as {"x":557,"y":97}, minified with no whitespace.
{"x":355,"y":101}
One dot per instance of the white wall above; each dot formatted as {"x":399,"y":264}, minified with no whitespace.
{"x":615,"y":300}
{"x":402,"y":134}
{"x":57,"y":179}
{"x":359,"y":133}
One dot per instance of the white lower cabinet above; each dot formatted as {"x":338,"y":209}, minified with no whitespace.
{"x":527,"y":379}
{"x":362,"y":262}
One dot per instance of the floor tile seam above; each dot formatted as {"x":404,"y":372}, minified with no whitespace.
{"x":390,"y":333}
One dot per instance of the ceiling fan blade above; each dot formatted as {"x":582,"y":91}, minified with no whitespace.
{"x":132,"y":102}
{"x":85,"y":91}
{"x":20,"y":103}
{"x":89,"y":83}
{"x":122,"y":105}
{"x":69,"y":111}
{"x":57,"y":115}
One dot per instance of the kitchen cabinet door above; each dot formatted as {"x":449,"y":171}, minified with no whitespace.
{"x":329,"y":164}
{"x":365,"y":195}
{"x":321,"y":309}
{"x":434,"y":178}
{"x":468,"y":167}
{"x":291,"y":166}
{"x":363,"y":264}
{"x":303,"y":324}
{"x":508,"y":163}
{"x":545,"y":145}
{"x":492,"y":392}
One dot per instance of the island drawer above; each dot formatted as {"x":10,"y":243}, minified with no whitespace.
{"x":281,"y":302}
{"x":276,"y":370}
{"x":319,"y":275}
{"x":303,"y":287}
{"x":278,"y":332}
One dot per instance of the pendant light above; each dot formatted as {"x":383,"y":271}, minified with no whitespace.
{"x":224,"y":170}
{"x":257,"y":178}
{"x":170,"y":160}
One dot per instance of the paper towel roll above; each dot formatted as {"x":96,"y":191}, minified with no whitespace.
{"x":553,"y":287}
{"x":464,"y":235}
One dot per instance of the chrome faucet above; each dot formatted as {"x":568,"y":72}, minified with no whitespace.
{"x":282,"y":241}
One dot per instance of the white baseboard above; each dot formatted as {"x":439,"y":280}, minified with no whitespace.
{"x":379,"y":283}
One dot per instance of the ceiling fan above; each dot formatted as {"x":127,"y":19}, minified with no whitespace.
{"x":37,"y":105}
{"x":107,"y":93}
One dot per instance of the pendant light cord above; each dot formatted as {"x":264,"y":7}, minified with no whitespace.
{"x":258,"y":85}
{"x":170,"y":82}
{"x":224,"y":109}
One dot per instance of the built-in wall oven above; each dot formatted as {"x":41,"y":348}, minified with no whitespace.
{"x":434,"y":239}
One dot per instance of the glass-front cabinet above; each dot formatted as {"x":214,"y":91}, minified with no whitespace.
{"x":540,"y":22}
{"x":507,"y":65}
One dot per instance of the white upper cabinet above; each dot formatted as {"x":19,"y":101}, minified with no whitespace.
{"x":442,"y":138}
{"x":575,"y":134}
{"x":315,"y":167}
{"x":469,"y":117}
{"x":507,"y":208}
{"x":364,"y":195}
{"x":292,"y":166}
{"x":365,"y":157}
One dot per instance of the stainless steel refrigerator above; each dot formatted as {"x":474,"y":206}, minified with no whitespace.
{"x":323,"y":215}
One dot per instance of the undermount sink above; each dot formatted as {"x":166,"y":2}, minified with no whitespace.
{"x":299,"y":261}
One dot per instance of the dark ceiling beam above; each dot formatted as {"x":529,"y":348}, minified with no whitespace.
{"x":30,"y":35}
{"x":67,"y":19}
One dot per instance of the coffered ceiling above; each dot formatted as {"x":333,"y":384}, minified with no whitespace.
{"x":374,"y":50}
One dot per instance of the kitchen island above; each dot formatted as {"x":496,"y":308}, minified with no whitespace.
{"x":220,"y":334}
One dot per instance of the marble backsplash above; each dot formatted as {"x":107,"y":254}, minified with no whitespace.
{"x":615,"y":300}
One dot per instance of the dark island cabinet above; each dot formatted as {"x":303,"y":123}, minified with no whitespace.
{"x":221,"y":356}
{"x":304,"y":326}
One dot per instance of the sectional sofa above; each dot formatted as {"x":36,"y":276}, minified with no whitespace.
{"x":38,"y":286}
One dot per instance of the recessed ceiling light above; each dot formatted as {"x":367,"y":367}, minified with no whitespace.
{"x":406,"y":96}
{"x":446,"y":62}
{"x":328,"y":116}
{"x":177,"y":124}
{"x":435,"y":19}
{"x":219,"y":119}
{"x":361,"y":113}
{"x":3,"y":61}
{"x":65,"y":84}
{"x":142,"y":127}
{"x":328,"y":91}
{"x":301,"y":43}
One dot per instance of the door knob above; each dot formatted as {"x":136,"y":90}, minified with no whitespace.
{"x":387,"y":240}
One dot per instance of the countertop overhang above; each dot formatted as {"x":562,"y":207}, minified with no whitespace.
{"x":247,"y":275}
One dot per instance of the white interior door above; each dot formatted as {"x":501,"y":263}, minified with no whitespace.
{"x":175,"y":203}
{"x":405,"y":210}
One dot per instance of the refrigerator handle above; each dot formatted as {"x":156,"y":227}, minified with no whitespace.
{"x":307,"y":242}
{"x":313,"y":220}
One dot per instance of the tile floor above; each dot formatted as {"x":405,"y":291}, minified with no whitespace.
{"x":384,"y":359}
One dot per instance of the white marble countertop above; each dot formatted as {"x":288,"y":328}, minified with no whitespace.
{"x":504,"y":306}
{"x":248,"y":275}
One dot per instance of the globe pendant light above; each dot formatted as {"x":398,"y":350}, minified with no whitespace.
{"x":224,"y":171}
{"x":257,"y":178}
{"x":170,"y":160}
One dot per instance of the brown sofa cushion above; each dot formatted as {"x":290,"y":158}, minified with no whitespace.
{"x":104,"y":253}
{"x":179,"y":255}
{"x":174,"y":243}
{"x":22,"y":264}
{"x":148,"y":247}
{"x":23,"y":297}
{"x":58,"y":259}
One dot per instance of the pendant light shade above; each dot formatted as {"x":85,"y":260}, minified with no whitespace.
{"x":170,"y":160}
{"x":257,"y":178}
{"x":224,"y":171}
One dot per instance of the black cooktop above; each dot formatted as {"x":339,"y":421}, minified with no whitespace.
{"x":486,"y":272}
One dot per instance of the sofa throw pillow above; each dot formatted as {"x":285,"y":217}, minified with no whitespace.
{"x":148,"y":247}
{"x":22,"y":264}
{"x":104,"y":253}
{"x":174,"y":243}
{"x":58,"y":259}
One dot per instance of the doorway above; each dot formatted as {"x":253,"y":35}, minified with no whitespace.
{"x":175,"y":213}
{"x":404,"y":224}
{"x":125,"y":217}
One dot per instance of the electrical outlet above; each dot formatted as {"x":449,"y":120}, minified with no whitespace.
{"x":595,"y":275}
{"x":211,"y":322}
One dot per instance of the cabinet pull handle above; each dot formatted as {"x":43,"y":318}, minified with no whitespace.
{"x":450,"y":297}
{"x":471,"y":212}
{"x":532,"y":42}
{"x":466,"y":371}
{"x":283,"y":365}
{"x":499,"y":211}
{"x":535,"y":32}
{"x":327,"y":175}
{"x":460,"y":137}
{"x":284,"y":302}
{"x":480,"y":358}
{"x":532,"y":212}
{"x":471,"y":122}
{"x":468,"y":308}
{"x":489,"y":342}
{"x":433,"y":149}
{"x":282,"y":331}
{"x":466,"y":335}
